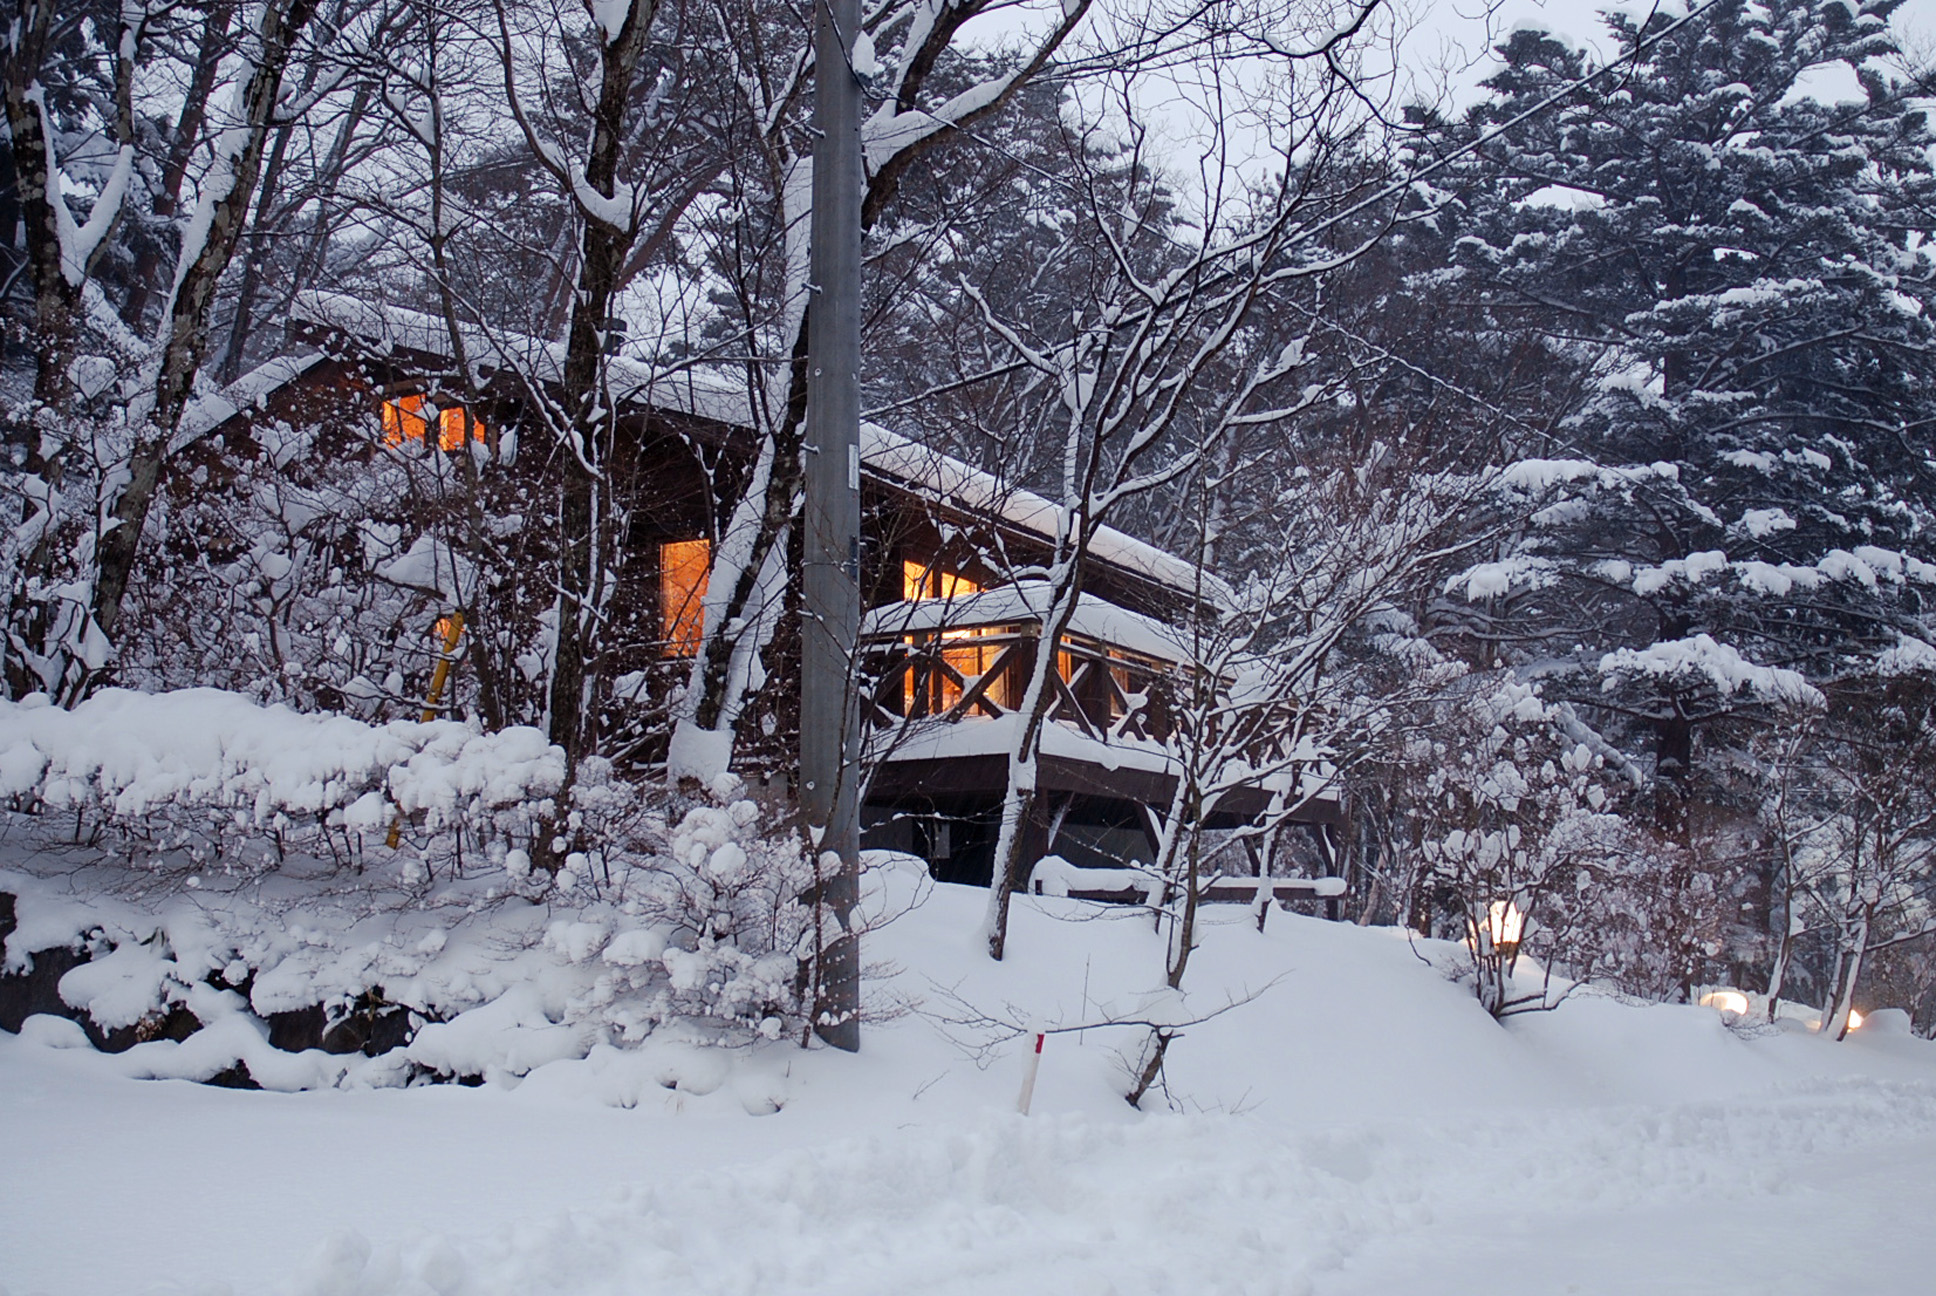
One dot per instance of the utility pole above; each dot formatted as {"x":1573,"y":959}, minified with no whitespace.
{"x":830,"y":583}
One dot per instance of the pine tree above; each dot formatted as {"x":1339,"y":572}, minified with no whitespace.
{"x":1738,"y":265}
{"x":1735,"y":511}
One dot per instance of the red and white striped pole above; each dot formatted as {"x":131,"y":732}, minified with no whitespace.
{"x":1028,"y":1076}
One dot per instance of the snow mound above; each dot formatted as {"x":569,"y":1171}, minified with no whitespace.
{"x":132,"y":753}
{"x":1354,"y":1124}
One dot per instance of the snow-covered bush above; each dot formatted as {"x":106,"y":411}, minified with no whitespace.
{"x":234,"y":829}
{"x":201,"y":779}
{"x":722,"y":891}
{"x":1519,"y":845}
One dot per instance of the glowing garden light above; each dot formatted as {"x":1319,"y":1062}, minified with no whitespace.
{"x":1726,"y":1001}
{"x":1503,"y":928}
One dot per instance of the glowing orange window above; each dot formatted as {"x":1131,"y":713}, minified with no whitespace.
{"x":684,"y":566}
{"x":451,"y":424}
{"x":970,"y":654}
{"x":405,"y":418}
{"x":925,"y":581}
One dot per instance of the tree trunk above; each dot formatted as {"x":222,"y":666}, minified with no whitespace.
{"x":55,"y":299}
{"x":1855,"y":948}
{"x":571,"y":669}
{"x":1778,"y":973}
{"x":187,"y":134}
{"x":604,"y":243}
{"x":1673,"y":769}
{"x":1152,"y":1067}
{"x":186,"y":330}
{"x":1019,"y":801}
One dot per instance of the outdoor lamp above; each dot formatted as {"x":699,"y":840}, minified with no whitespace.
{"x":1504,"y":924}
{"x":1726,"y":1001}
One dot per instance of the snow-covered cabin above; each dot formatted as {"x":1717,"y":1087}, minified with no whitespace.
{"x":948,"y":636}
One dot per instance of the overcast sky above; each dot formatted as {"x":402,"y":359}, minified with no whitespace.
{"x":1444,"y":52}
{"x":1457,"y":34}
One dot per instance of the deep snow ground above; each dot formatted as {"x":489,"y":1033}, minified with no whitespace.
{"x":1358,"y":1128}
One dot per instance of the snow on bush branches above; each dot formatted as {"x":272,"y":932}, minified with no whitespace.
{"x":675,"y":909}
{"x":1516,"y":832}
{"x":130,"y":755}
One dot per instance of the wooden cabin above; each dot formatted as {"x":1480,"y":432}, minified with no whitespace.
{"x":948,"y":634}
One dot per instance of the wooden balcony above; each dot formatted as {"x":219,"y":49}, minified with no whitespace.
{"x":949,"y":660}
{"x":945,"y":679}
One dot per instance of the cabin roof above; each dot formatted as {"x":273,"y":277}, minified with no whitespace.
{"x":948,"y":480}
{"x":1028,"y":601}
{"x":210,"y":410}
{"x":378,"y":326}
{"x":885,"y":455}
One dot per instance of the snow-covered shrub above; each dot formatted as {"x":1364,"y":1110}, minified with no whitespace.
{"x":202,"y":779}
{"x":729,"y":930}
{"x":678,"y":910}
{"x":1520,"y":847}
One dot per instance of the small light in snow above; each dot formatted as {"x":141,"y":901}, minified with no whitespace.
{"x":1726,"y":1001}
{"x":1504,"y":926}
{"x":1855,"y":1021}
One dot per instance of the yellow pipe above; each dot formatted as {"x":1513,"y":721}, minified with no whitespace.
{"x":453,"y":628}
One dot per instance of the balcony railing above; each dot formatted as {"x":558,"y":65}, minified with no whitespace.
{"x":949,"y":662}
{"x":966,"y":671}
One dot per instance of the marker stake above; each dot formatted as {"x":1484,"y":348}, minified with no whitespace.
{"x":1028,"y":1076}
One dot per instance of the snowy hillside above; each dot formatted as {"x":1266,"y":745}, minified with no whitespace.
{"x":539,"y":533}
{"x":1358,"y":1126}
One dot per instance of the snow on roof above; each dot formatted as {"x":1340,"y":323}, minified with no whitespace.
{"x":950,"y":480}
{"x":207,"y":412}
{"x":1029,"y":601}
{"x":886,"y":455}
{"x":684,"y":390}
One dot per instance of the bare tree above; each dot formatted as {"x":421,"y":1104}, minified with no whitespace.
{"x":1855,"y":824}
{"x":114,"y":384}
{"x":1152,"y":371}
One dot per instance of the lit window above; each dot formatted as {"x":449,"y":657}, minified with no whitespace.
{"x":407,"y":418}
{"x":451,"y":424}
{"x":684,"y":566}
{"x":970,"y":654}
{"x":973,"y":659}
{"x":925,"y":581}
{"x":404,"y":420}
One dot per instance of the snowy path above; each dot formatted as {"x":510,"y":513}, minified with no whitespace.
{"x":1823,"y":1186}
{"x":1390,"y":1139}
{"x":1829,"y":1194}
{"x":1809,"y":1193}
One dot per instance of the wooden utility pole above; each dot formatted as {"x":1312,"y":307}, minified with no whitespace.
{"x":830,"y":583}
